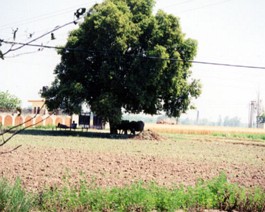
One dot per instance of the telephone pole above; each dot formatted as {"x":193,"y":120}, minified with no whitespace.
{"x":259,"y":109}
{"x":252,"y":110}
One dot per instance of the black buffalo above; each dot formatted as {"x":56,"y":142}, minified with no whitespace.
{"x":133,"y":126}
{"x":136,"y":126}
{"x":123,"y":127}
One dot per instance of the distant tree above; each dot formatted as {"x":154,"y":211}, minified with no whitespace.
{"x":9,"y":102}
{"x":123,"y":56}
{"x":220,"y":121}
{"x":261,"y":118}
{"x":232,"y":122}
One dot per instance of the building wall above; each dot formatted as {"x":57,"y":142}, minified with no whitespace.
{"x":8,"y":119}
{"x":38,"y":107}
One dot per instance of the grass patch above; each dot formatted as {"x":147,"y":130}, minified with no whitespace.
{"x":259,"y":137}
{"x":217,"y":193}
{"x":13,"y":197}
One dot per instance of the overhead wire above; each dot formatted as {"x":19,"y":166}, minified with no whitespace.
{"x":78,"y":14}
{"x":35,"y":39}
{"x":110,"y":54}
{"x":186,"y":2}
{"x":205,"y":6}
{"x":178,"y":3}
{"x":41,"y":17}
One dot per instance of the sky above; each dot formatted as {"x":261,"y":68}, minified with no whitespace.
{"x":227,"y":31}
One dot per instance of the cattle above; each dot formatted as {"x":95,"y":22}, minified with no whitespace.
{"x":123,"y":127}
{"x":133,"y":126}
{"x":136,"y":126}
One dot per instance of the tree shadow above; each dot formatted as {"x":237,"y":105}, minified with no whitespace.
{"x":74,"y":133}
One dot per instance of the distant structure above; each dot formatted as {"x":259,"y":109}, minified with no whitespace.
{"x":38,"y":115}
{"x":166,"y":120}
{"x":255,"y":111}
{"x":252,"y":114}
{"x":38,"y":107}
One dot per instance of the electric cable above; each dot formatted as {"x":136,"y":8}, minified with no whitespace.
{"x":41,"y":17}
{"x":78,"y":14}
{"x":110,"y":54}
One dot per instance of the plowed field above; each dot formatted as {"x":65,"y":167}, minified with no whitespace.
{"x":46,"y":160}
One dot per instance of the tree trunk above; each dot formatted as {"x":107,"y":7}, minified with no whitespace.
{"x":113,"y":128}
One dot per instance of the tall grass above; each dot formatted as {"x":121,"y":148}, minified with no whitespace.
{"x":217,"y":193}
{"x":13,"y":197}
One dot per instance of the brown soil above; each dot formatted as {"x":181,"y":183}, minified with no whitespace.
{"x":39,"y":167}
{"x":149,"y":135}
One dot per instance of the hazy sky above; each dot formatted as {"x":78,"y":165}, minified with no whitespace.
{"x":227,"y":31}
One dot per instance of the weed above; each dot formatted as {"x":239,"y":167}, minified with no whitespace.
{"x":217,"y":193}
{"x":13,"y":198}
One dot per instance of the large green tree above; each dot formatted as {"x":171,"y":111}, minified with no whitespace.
{"x":8,"y":102}
{"x":124,"y":57}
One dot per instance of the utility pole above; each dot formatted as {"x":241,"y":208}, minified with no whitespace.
{"x":197,"y":117}
{"x":259,"y":108}
{"x":252,"y":109}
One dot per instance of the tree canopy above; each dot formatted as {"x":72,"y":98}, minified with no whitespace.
{"x":123,"y":57}
{"x":8,"y":102}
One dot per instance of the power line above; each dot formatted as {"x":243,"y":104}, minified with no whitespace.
{"x":205,"y":6}
{"x":29,"y":42}
{"x":178,"y":3}
{"x":143,"y":56}
{"x":79,"y":12}
{"x":230,"y":65}
{"x":196,"y":8}
{"x":40,"y":17}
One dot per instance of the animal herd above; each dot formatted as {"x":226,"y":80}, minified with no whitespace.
{"x":123,"y":127}
{"x":132,"y":126}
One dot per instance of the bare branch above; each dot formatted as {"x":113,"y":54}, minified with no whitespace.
{"x":10,"y":151}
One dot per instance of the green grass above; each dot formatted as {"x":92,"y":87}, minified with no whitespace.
{"x":217,"y":193}
{"x":13,"y":197}
{"x":258,"y":137}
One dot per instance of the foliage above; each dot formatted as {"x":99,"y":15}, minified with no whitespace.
{"x":14,"y":198}
{"x":8,"y":102}
{"x":124,"y":57}
{"x":232,"y":122}
{"x":217,"y":193}
{"x":261,"y":118}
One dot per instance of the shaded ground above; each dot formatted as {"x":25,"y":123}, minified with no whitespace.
{"x":51,"y":160}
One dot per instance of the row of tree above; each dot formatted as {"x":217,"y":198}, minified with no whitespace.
{"x":8,"y":102}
